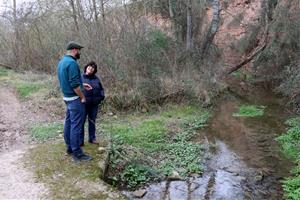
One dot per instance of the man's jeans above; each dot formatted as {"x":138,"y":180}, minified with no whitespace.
{"x":90,"y":113}
{"x":73,"y":125}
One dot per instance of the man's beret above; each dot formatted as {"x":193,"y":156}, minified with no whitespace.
{"x":74,"y":45}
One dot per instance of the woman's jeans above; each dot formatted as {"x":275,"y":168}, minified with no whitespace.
{"x":90,"y":113}
{"x":73,"y":125}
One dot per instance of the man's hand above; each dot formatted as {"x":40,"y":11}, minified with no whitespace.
{"x":80,"y":94}
{"x":295,"y":95}
{"x":87,"y":86}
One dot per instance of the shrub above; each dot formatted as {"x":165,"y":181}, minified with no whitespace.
{"x":290,"y":142}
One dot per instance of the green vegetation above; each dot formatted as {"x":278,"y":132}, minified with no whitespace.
{"x":25,"y":84}
{"x":250,"y":111}
{"x":291,"y":147}
{"x":149,"y":147}
{"x":3,"y":71}
{"x":44,"y":131}
{"x":64,"y":178}
{"x":26,"y":89}
{"x":135,"y":174}
{"x":246,"y":76}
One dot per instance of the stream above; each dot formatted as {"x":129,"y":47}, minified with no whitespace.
{"x":246,"y":163}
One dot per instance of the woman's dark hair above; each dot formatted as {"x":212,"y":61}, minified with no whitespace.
{"x":92,"y":64}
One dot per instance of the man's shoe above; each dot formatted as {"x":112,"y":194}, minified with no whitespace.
{"x":84,"y":157}
{"x":69,"y":152}
{"x":76,"y":159}
{"x":94,"y":142}
{"x":81,"y":157}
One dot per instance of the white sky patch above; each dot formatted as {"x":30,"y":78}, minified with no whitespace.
{"x":7,"y":4}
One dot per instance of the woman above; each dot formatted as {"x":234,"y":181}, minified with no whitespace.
{"x":94,"y":94}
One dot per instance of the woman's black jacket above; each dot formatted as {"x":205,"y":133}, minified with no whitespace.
{"x":96,"y":95}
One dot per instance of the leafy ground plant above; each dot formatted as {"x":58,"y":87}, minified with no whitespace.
{"x":149,"y":147}
{"x":290,"y":142}
{"x":250,"y":111}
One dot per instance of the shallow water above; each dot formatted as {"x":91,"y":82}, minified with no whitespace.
{"x":247,"y":162}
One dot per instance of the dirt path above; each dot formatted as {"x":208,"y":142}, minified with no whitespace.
{"x":15,"y":181}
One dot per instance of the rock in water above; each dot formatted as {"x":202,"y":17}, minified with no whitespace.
{"x":139,"y":193}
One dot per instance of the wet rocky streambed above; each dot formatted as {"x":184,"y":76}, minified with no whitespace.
{"x":246,"y":163}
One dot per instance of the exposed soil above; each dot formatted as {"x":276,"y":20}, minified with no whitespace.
{"x":16,"y":182}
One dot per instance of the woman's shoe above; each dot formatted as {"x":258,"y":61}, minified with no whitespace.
{"x":94,"y":142}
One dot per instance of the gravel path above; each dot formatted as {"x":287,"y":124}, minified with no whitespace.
{"x":16,"y":182}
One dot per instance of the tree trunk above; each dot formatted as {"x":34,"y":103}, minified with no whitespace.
{"x":171,"y":12}
{"x":175,"y":26}
{"x":189,"y":25}
{"x":95,"y":10}
{"x":102,"y":10}
{"x":74,"y":15}
{"x":80,"y":10}
{"x":16,"y":42}
{"x":213,"y":27}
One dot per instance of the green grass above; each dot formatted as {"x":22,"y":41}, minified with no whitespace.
{"x":64,"y":178}
{"x":246,"y":76}
{"x":3,"y":71}
{"x":45,"y":131}
{"x":154,"y":145}
{"x":290,"y":142}
{"x":25,"y":84}
{"x":25,"y":89}
{"x":250,"y":111}
{"x":151,"y":130}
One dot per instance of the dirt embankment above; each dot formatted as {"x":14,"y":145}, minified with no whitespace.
{"x":15,"y":181}
{"x":237,"y":17}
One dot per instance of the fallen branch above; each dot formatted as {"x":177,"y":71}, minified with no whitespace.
{"x":247,"y":60}
{"x":6,"y":66}
{"x":255,"y":53}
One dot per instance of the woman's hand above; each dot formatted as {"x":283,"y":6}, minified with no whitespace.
{"x":87,"y":86}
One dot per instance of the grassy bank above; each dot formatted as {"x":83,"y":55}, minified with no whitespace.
{"x":290,"y":142}
{"x":152,"y":146}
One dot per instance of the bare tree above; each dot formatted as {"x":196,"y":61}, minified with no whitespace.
{"x":95,"y":10}
{"x":74,"y":14}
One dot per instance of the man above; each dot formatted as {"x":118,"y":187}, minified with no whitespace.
{"x":69,"y":76}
